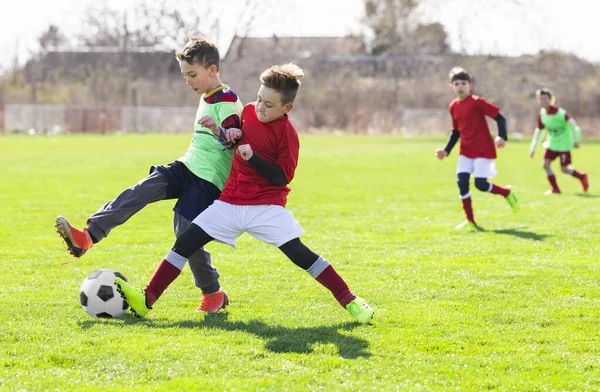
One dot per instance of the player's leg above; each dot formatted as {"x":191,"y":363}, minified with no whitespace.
{"x":222,"y":222}
{"x":485,"y":168}
{"x":196,"y":196}
{"x":549,"y":156}
{"x":324,"y":273}
{"x":205,"y":274}
{"x":153,"y":188}
{"x":565,"y":166}
{"x":463,"y":177}
{"x":167,"y":271}
{"x":276,"y":226}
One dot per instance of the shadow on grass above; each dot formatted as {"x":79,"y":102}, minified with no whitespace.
{"x":528,"y":235}
{"x":278,"y":339}
{"x":587,"y":195}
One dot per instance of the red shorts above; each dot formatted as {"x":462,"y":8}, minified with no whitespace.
{"x":565,"y":156}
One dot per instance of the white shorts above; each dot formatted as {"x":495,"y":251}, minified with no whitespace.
{"x":479,"y":167}
{"x":272,"y":224}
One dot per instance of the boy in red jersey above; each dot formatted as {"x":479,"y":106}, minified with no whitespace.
{"x":477,"y":148}
{"x":254,"y":199}
{"x":563,"y":135}
{"x":195,"y":179}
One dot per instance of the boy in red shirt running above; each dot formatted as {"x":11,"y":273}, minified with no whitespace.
{"x":254,"y":200}
{"x":477,"y":149}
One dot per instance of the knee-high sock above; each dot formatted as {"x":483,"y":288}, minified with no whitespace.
{"x":163,"y":276}
{"x":576,"y":174}
{"x":499,"y":190}
{"x":329,"y":278}
{"x":468,"y":208}
{"x":552,"y":181}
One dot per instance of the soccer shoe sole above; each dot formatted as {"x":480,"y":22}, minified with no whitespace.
{"x":62,"y":228}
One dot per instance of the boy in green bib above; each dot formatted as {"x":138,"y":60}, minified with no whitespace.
{"x":195,"y":180}
{"x":563,"y":135}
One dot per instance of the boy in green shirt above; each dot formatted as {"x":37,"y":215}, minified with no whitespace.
{"x":563,"y":134}
{"x":195,"y":180}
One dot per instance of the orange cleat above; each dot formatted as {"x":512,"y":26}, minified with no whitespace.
{"x":212,"y":303}
{"x":585,"y":183}
{"x":78,"y":241}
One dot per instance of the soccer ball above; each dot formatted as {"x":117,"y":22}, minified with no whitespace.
{"x":98,"y":294}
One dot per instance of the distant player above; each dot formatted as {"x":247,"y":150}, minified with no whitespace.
{"x":563,"y":134}
{"x":195,"y":180}
{"x":254,"y":199}
{"x":477,"y":150}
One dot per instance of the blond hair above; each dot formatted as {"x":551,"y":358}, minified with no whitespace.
{"x":284,"y":79}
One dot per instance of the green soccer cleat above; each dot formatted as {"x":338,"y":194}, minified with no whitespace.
{"x":136,"y":298}
{"x":360,"y":310}
{"x":513,"y":201}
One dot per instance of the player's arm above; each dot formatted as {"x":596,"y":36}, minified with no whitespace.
{"x":272,"y":172}
{"x":282,"y":171}
{"x":501,"y":121}
{"x":226,"y":136}
{"x":442,"y":153}
{"x":450,"y":143}
{"x":576,"y":131}
{"x":229,"y":131}
{"x":537,"y":136}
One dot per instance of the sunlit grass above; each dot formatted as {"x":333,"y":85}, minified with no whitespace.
{"x":515,"y":307}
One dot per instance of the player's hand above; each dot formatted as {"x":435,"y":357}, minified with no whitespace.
{"x":208,"y":122}
{"x":441,"y":154}
{"x":233,"y":134}
{"x":500,"y":142}
{"x":245,"y":151}
{"x":576,"y":144}
{"x":530,"y":154}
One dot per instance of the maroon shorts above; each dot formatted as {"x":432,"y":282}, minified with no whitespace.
{"x":565,"y":156}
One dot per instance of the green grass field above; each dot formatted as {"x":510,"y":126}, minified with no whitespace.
{"x":515,"y":307}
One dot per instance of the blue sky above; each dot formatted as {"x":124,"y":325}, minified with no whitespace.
{"x":509,"y":27}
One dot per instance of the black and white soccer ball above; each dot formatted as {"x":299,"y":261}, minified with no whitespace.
{"x":98,"y":294}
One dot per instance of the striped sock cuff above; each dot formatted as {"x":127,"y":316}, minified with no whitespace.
{"x":175,"y":259}
{"x":318,"y":267}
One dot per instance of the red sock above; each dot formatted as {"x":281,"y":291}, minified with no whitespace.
{"x":498,"y":190}
{"x":338,"y":287}
{"x":576,"y":174}
{"x":466,"y":204}
{"x":552,"y":180}
{"x":163,"y":276}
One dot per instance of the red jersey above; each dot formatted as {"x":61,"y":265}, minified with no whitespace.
{"x":276,"y":142}
{"x":468,"y":118}
{"x":553,"y":109}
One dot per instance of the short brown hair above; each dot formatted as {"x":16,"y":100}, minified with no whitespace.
{"x":459,"y":73}
{"x":544,"y":91}
{"x":285,"y":79}
{"x":199,"y":50}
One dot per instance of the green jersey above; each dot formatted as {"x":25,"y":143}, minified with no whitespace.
{"x":206,"y":157}
{"x":561,"y":134}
